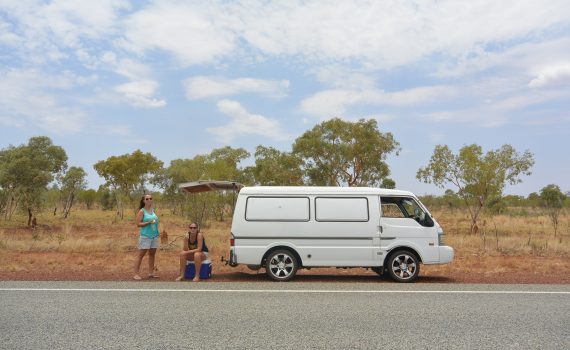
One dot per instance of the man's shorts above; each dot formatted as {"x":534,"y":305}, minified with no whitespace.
{"x":148,"y":243}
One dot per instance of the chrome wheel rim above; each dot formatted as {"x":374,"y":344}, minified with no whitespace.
{"x":281,"y":265}
{"x":404,"y":266}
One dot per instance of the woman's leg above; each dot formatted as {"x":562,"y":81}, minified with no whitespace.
{"x":138,"y":261}
{"x":198,"y":258}
{"x":184,"y":255}
{"x":151,"y":255}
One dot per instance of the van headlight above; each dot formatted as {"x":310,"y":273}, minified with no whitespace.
{"x":440,"y":236}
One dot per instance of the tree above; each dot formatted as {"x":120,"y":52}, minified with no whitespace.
{"x":553,"y":200}
{"x":338,"y":152}
{"x":479,"y":177}
{"x":388,"y":183}
{"x":107,"y":200}
{"x":223,"y":164}
{"x":126,"y":172}
{"x":220,"y":164}
{"x":88,"y":197}
{"x":72,"y":182}
{"x":276,"y":168}
{"x":26,"y":170}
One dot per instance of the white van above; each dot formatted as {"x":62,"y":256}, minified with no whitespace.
{"x":283,"y":229}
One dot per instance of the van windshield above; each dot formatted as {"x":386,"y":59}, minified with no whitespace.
{"x":405,"y":207}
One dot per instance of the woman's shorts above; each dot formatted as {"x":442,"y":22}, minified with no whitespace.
{"x":148,"y":243}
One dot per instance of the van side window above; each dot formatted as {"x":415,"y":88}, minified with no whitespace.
{"x":341,"y":209}
{"x":277,"y":209}
{"x":391,"y":210}
{"x":405,"y":207}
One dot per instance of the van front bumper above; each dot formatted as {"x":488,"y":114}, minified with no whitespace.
{"x":445,"y":254}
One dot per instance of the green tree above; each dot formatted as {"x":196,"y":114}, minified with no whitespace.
{"x":88,"y":197}
{"x":388,"y":183}
{"x":220,"y":164}
{"x":26,"y":171}
{"x":52,"y":198}
{"x":72,"y":182}
{"x":533,"y":199}
{"x":223,"y":164}
{"x":478,"y":177}
{"x":276,"y":168}
{"x":127,"y":172}
{"x":338,"y":152}
{"x":180,"y":171}
{"x":553,"y":200}
{"x":107,"y":199}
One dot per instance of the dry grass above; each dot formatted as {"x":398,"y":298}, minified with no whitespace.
{"x":507,"y":235}
{"x":95,"y":243}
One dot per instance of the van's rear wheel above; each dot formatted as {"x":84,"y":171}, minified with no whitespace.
{"x":403,"y":266}
{"x":281,"y":265}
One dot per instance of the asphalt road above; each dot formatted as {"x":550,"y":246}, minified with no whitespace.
{"x":95,"y":315}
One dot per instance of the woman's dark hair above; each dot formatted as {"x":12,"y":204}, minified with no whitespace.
{"x":141,"y":204}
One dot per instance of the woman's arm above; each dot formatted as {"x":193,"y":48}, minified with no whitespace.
{"x":185,"y":244}
{"x":200,"y":239}
{"x":140,"y":216}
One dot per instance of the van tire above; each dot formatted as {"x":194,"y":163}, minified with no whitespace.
{"x":403,"y":266}
{"x":281,"y":265}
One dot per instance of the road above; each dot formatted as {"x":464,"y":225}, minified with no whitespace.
{"x":112,"y":315}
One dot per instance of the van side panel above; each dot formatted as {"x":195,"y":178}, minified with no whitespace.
{"x":344,"y":237}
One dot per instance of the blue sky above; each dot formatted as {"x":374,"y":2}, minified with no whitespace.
{"x":180,"y":78}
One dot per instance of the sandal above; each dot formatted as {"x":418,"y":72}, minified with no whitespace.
{"x":137,"y":277}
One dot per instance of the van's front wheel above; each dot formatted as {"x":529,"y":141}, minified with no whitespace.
{"x":403,"y":266}
{"x":281,"y":265}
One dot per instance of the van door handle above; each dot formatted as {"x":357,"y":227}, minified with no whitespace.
{"x":381,"y":230}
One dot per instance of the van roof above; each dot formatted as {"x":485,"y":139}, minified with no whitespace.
{"x":304,"y":190}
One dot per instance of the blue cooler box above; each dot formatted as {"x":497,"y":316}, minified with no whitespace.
{"x":205,"y":270}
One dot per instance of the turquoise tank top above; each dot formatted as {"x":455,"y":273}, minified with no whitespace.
{"x":150,"y":230}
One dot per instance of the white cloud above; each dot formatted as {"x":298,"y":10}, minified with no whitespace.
{"x":387,"y":34}
{"x":373,"y":34}
{"x":329,"y":103}
{"x":194,"y":32}
{"x":528,"y":57}
{"x":141,"y":88}
{"x":139,"y":93}
{"x":486,"y":104}
{"x":554,"y":75}
{"x":25,"y":104}
{"x":44,"y":31}
{"x":244,"y":123}
{"x":205,"y":87}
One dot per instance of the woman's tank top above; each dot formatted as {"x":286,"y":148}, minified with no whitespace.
{"x":194,"y":245}
{"x":150,"y":230}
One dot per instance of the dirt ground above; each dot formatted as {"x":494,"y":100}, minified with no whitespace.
{"x":466,"y":268}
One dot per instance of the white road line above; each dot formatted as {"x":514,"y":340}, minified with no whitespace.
{"x":298,"y":291}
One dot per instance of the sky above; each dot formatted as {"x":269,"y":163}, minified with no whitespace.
{"x":181,"y":78}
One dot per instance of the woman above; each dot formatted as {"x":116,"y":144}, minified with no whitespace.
{"x":194,"y":248}
{"x":147,"y":220}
